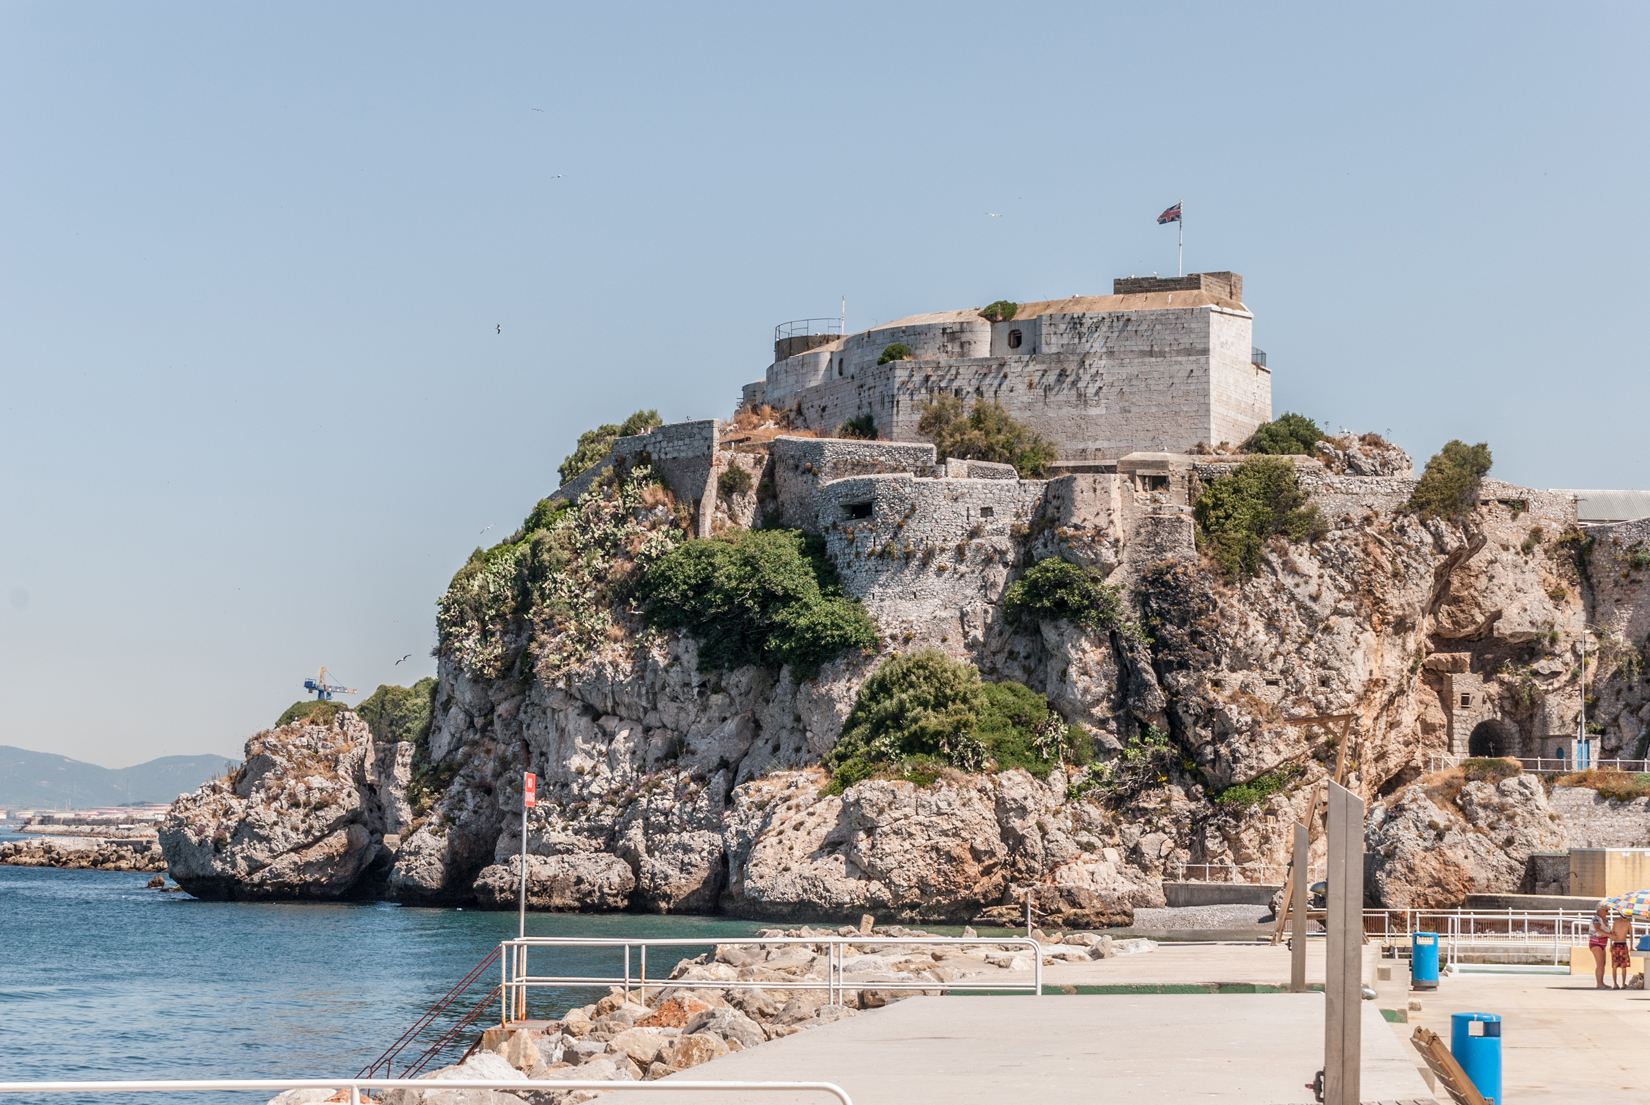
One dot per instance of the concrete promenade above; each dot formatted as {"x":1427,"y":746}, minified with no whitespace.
{"x":1253,"y":1049}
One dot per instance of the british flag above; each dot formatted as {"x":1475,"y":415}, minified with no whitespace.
{"x":1172,"y":215}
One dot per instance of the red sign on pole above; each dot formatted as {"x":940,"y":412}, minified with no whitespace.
{"x":529,"y":790}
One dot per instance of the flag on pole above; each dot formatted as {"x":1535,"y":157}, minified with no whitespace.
{"x":1172,"y":215}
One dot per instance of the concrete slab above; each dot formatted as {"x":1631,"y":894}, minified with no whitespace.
{"x":1562,"y":1040}
{"x":1254,"y":1049}
{"x":1191,"y":965}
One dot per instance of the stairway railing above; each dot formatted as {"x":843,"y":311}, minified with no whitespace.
{"x":430,"y":1016}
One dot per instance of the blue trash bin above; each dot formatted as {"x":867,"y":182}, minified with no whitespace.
{"x":1644,"y":944}
{"x":1423,"y":961}
{"x":1475,"y":1041}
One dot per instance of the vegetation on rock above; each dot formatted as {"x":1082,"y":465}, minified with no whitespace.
{"x":1000,"y":311}
{"x":1058,"y":590}
{"x":1288,"y":434}
{"x":398,"y":713}
{"x":562,"y":575}
{"x":924,"y":711}
{"x":898,"y":351}
{"x":1236,"y":514}
{"x":766,"y":597}
{"x":984,"y":432}
{"x":1448,"y":488}
{"x":734,"y":480}
{"x":1261,"y":787}
{"x":311,"y":710}
{"x":594,"y":444}
{"x":861,"y":426}
{"x":1144,"y":762}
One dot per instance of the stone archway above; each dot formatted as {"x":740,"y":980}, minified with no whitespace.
{"x":1494,"y":738}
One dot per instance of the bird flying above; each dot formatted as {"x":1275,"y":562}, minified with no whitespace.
{"x":993,"y":215}
{"x":538,"y":109}
{"x":501,"y":327}
{"x":489,"y":527}
{"x":406,"y":657}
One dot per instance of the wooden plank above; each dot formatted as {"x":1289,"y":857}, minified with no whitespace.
{"x":1448,"y":1071}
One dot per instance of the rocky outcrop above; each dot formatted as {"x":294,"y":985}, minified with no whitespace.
{"x":305,"y":817}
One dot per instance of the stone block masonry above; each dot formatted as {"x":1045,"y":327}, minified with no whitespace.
{"x":683,"y":452}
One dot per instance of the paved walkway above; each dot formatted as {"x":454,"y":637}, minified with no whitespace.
{"x":1562,"y":1040}
{"x":1245,"y":1049}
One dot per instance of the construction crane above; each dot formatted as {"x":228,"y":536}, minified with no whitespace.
{"x":324,"y":690}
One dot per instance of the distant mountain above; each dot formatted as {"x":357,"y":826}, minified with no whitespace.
{"x":40,"y":780}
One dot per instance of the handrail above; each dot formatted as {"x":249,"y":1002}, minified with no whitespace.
{"x":387,"y":1059}
{"x":1554,"y":764}
{"x":801,"y":327}
{"x":356,"y":1085}
{"x":516,"y":981}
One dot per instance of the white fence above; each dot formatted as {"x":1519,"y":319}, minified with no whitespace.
{"x":355,"y":1085}
{"x":1554,"y":764}
{"x":517,"y":979}
{"x":1482,"y":933}
{"x":1262,"y":874}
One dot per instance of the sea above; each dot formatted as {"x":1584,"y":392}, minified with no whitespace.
{"x":101,"y":978}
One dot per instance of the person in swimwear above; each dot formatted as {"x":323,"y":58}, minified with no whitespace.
{"x":1598,"y":941}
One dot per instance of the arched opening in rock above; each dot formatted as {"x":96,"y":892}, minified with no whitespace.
{"x":1493,"y":738}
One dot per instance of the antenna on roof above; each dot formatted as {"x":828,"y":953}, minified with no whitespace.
{"x":844,"y":323}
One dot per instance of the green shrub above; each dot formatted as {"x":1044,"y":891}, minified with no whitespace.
{"x":1288,"y":434}
{"x":1260,"y":499}
{"x":1489,"y":769}
{"x":734,"y":480}
{"x":766,"y":597}
{"x":595,"y":444}
{"x":861,"y":426}
{"x":1256,"y":790}
{"x":986,"y":432}
{"x":1057,"y":590}
{"x":1448,"y":488}
{"x":310,"y":710}
{"x":898,"y":351}
{"x":398,"y":713}
{"x":1000,"y":311}
{"x":927,"y":709}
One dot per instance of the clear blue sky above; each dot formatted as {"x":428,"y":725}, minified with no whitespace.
{"x":256,"y":408}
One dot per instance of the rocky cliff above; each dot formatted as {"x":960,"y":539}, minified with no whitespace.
{"x":671,"y":786}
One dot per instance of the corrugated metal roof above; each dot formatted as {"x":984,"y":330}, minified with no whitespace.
{"x":1609,"y":506}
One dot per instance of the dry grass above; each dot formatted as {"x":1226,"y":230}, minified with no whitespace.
{"x":753,"y":429}
{"x":1610,"y":783}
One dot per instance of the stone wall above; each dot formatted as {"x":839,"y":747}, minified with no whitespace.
{"x":803,"y":465}
{"x":683,"y":452}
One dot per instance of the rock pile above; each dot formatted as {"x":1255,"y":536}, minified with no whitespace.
{"x":84,"y":855}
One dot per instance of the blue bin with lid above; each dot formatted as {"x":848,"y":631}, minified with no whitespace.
{"x":1423,"y":961}
{"x":1475,"y":1041}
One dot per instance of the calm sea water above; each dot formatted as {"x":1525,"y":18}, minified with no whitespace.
{"x":101,"y":978}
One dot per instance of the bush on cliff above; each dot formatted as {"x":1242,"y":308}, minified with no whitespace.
{"x":310,"y":710}
{"x":594,"y":444}
{"x":1000,"y":311}
{"x":1448,"y":488}
{"x":861,"y":426}
{"x":766,"y":597}
{"x":898,"y":351}
{"x":1288,"y":434}
{"x":923,"y":710}
{"x":1261,"y":499}
{"x":398,"y":713}
{"x":1057,"y":590}
{"x":985,"y":432}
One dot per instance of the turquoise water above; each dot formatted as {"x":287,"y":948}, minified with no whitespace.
{"x":101,"y":978}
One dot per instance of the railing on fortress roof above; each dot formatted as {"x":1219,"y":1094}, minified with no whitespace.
{"x":1559,"y":765}
{"x":1257,"y":355}
{"x":802,"y":327}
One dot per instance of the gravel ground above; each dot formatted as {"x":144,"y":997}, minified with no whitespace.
{"x":1201,"y":917}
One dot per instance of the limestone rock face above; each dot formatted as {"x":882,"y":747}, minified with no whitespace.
{"x":305,"y":816}
{"x":589,"y":882}
{"x":1427,"y":854}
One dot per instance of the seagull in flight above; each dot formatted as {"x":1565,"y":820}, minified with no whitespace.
{"x":540,"y":110}
{"x":501,"y":327}
{"x":993,"y":215}
{"x":406,"y":657}
{"x":489,"y":527}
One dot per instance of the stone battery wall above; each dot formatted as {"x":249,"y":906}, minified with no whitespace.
{"x":683,"y":452}
{"x":928,"y":557}
{"x":803,"y":465}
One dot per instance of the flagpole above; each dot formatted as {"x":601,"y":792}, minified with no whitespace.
{"x":1180,"y":250}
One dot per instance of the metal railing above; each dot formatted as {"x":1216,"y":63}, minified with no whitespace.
{"x":1490,"y":931}
{"x":516,"y":979}
{"x":1556,"y":764}
{"x":802,"y":327}
{"x":1264,"y":874}
{"x":356,"y":1085}
{"x":431,"y":1015}
{"x":1257,"y":356}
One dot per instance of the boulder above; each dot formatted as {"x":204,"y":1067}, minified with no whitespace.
{"x":640,"y":1044}
{"x":691,"y":1050}
{"x":481,"y":1065}
{"x":589,"y":882}
{"x":727,"y":1024}
{"x":673,"y":1013}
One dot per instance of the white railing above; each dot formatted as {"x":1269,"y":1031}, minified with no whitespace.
{"x":356,"y":1085}
{"x":1262,"y":874}
{"x":1490,"y":930}
{"x":1442,"y":761}
{"x":517,"y":979}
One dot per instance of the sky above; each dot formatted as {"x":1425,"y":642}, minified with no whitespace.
{"x":300,"y":303}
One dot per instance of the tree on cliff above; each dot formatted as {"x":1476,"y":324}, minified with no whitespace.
{"x":985,"y":432}
{"x":1289,"y":434}
{"x":1449,"y":486}
{"x":594,"y":444}
{"x":1260,"y":499}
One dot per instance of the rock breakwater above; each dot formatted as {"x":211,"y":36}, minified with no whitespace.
{"x":85,"y":854}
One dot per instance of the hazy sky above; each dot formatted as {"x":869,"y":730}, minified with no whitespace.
{"x":254,"y":259}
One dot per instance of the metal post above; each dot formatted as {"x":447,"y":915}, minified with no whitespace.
{"x":1343,"y":973}
{"x":521,"y":927}
{"x":1297,"y":936}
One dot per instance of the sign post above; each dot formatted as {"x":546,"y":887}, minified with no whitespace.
{"x":1343,"y":962}
{"x":529,"y":798}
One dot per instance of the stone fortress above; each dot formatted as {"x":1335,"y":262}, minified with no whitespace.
{"x":1132,"y":389}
